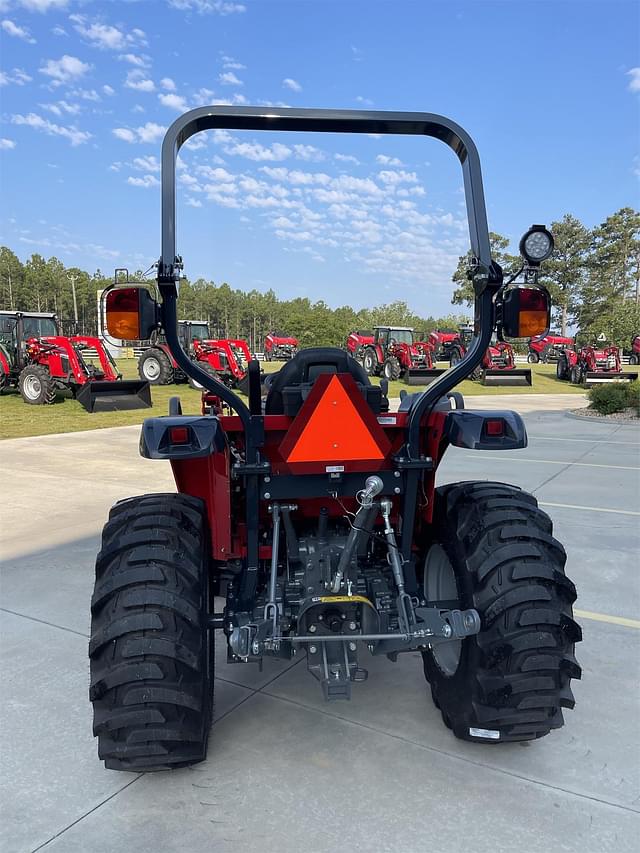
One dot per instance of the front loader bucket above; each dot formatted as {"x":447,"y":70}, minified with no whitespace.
{"x":416,"y":376}
{"x":519,"y":376}
{"x":120,"y":396}
{"x":598,"y":377}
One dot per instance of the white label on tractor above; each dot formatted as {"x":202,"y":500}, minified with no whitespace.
{"x":486,"y":733}
{"x":387,"y":420}
{"x":334,"y":469}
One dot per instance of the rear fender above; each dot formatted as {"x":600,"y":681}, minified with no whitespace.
{"x":471,"y":430}
{"x":200,"y":467}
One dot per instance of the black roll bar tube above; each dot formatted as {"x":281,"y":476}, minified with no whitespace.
{"x":487,"y":277}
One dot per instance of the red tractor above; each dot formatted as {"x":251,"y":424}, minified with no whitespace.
{"x":441,"y":341}
{"x":226,"y":359}
{"x":394,"y":354}
{"x":40,"y":362}
{"x":357,"y":342}
{"x":498,"y":365}
{"x":279,"y":347}
{"x":547,"y":348}
{"x":593,"y":365}
{"x":634,"y":356}
{"x":314,"y":514}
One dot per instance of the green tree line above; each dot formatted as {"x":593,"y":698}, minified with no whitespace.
{"x":593,"y":276}
{"x":47,"y":285}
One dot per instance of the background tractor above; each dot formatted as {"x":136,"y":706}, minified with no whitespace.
{"x":498,"y":365}
{"x":547,"y":348}
{"x":593,"y":364}
{"x":634,"y":355}
{"x":441,"y":341}
{"x":394,"y":354}
{"x":40,"y":362}
{"x":357,"y":342}
{"x":226,"y":359}
{"x":280,"y":347}
{"x":314,"y":514}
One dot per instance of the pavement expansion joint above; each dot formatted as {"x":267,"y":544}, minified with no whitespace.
{"x":498,"y":770}
{"x":44,"y":622}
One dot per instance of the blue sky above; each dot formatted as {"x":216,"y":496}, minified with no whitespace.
{"x":549,"y":91}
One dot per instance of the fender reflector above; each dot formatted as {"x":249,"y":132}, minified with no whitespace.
{"x":335,"y":424}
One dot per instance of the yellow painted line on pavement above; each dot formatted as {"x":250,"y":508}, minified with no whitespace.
{"x":611,"y":620}
{"x":590,"y":508}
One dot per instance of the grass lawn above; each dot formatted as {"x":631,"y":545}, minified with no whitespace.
{"x":66,"y":415}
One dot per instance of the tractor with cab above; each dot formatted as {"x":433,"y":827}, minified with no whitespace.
{"x":393,"y":354}
{"x":312,"y":515}
{"x":40,"y":362}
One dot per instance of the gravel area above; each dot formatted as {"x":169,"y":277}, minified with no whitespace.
{"x":627,"y":416}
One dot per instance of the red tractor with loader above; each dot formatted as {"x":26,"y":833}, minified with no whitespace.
{"x":393,"y":354}
{"x":40,"y":362}
{"x":314,"y":514}
{"x":593,"y":364}
{"x":498,"y":364}
{"x":280,"y":347}
{"x":225,"y":359}
{"x":547,"y":348}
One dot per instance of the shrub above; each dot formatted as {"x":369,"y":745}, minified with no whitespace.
{"x":609,"y":397}
{"x":633,"y":396}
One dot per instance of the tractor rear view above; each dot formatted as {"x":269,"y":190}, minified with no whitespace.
{"x":40,"y":362}
{"x":280,"y":347}
{"x":547,"y":348}
{"x":314,"y":514}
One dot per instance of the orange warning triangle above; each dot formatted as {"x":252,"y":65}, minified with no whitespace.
{"x":335,"y":431}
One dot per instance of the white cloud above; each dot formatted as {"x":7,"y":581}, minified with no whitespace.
{"x":17,"y":76}
{"x":384,"y":160}
{"x":290,"y":83}
{"x":108,"y":90}
{"x":347,"y":158}
{"x":146,"y":181}
{"x":135,"y":59}
{"x":43,"y":5}
{"x":65,"y":69}
{"x":228,"y":78}
{"x":59,"y":31}
{"x":86,"y":94}
{"x":230,"y":62}
{"x":105,"y":36}
{"x":173,"y":101}
{"x":168,"y":84}
{"x":6,"y":144}
{"x":401,"y":177}
{"x":203,"y":97}
{"x":193,"y":202}
{"x":125,"y":134}
{"x":308,"y":152}
{"x":138,"y":80}
{"x":149,"y":132}
{"x":255,"y":151}
{"x":61,"y":107}
{"x":634,"y":83}
{"x":75,"y":136}
{"x":146,"y":164}
{"x":366,"y":102}
{"x":219,"y":7}
{"x":14,"y":30}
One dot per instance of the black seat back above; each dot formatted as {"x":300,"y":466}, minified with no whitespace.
{"x":291,"y":385}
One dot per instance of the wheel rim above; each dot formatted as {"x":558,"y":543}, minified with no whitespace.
{"x":32,"y":387}
{"x":151,"y":369}
{"x":440,"y":585}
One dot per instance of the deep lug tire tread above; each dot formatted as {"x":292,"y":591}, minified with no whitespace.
{"x":514,"y":677}
{"x":49,"y":392}
{"x":166,"y":375}
{"x":150,"y":651}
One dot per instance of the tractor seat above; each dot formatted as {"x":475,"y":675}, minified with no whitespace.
{"x":290,"y":386}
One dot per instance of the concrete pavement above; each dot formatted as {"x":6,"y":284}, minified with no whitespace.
{"x":285,"y":771}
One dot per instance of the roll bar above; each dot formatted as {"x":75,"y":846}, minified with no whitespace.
{"x":487,"y":277}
